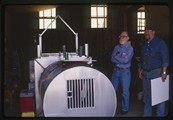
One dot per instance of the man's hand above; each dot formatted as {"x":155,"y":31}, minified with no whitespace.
{"x":164,"y":74}
{"x":163,"y":77}
{"x":140,"y":74}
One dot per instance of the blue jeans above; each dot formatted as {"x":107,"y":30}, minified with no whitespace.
{"x":147,"y":93}
{"x":123,"y":77}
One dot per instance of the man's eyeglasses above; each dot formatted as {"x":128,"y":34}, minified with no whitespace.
{"x":122,"y":36}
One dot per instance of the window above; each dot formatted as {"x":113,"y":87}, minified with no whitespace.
{"x":45,"y":18}
{"x":98,"y":16}
{"x":141,"y":20}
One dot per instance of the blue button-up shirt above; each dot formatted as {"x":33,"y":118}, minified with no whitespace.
{"x":123,"y":55}
{"x":154,"y":54}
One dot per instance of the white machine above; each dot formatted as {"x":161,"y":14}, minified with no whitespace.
{"x":66,"y":85}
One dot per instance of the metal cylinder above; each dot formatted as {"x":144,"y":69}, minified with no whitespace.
{"x":52,"y":71}
{"x":64,"y":50}
{"x":80,"y":51}
{"x":76,"y":89}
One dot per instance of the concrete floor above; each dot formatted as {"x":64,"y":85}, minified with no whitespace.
{"x":136,"y":106}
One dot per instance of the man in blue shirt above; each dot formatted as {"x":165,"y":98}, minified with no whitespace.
{"x":122,"y":57}
{"x":153,"y":64}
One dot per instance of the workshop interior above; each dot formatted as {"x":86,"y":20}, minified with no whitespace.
{"x":58,"y":57}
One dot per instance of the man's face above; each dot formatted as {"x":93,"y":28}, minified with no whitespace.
{"x":123,"y":38}
{"x":149,"y":34}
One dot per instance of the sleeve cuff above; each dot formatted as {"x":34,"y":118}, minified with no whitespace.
{"x":165,"y":64}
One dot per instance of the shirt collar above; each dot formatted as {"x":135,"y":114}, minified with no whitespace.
{"x":128,"y":43}
{"x":151,"y":40}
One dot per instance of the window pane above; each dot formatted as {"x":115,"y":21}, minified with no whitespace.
{"x":142,"y":22}
{"x":93,"y":12}
{"x":138,"y":29}
{"x":53,"y":12}
{"x":47,"y":13}
{"x":100,"y":12}
{"x":139,"y":22}
{"x":54,"y":24}
{"x":41,"y":14}
{"x":46,"y":23}
{"x":101,"y":23}
{"x":41,"y":24}
{"x":93,"y":23}
{"x":138,"y":15}
{"x":142,"y":14}
{"x":143,"y":28}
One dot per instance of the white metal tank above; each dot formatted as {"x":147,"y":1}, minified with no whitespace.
{"x":70,"y":89}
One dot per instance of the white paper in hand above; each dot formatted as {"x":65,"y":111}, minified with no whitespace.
{"x":159,"y":90}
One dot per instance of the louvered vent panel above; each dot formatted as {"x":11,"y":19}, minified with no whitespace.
{"x":80,"y":93}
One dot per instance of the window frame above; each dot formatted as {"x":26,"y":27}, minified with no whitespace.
{"x":97,"y":17}
{"x":49,"y":18}
{"x":141,"y":21}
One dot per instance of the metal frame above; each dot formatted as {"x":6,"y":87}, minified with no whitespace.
{"x":39,"y":46}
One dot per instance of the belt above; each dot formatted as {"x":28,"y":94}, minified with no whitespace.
{"x":150,"y":69}
{"x":117,"y":68}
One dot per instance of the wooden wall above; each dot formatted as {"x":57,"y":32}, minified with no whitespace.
{"x":21,"y":31}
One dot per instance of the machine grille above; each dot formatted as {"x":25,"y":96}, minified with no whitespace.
{"x":80,"y":93}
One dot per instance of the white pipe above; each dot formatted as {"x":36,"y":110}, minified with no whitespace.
{"x":86,"y":50}
{"x":38,"y":51}
{"x":67,"y":25}
{"x":39,"y":47}
{"x":49,"y":25}
{"x":76,"y":34}
{"x":76,"y":41}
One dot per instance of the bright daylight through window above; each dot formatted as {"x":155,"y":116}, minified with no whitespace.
{"x":141,"y":20}
{"x":45,"y":18}
{"x":98,"y":16}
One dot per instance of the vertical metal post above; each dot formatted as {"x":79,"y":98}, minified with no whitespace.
{"x":76,"y":41}
{"x":86,"y":50}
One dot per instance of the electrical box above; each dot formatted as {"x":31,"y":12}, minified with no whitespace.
{"x":26,"y":101}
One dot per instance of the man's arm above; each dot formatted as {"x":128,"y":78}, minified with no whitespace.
{"x":114,"y":55}
{"x":127,"y":57}
{"x":165,"y":59}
